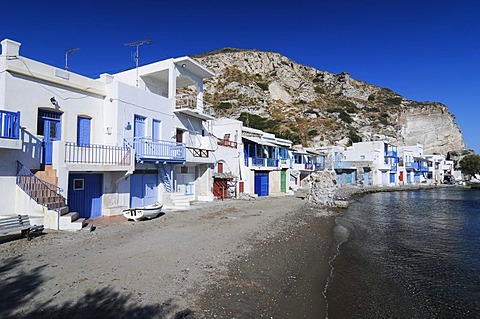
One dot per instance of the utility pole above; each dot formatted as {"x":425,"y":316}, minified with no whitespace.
{"x":137,"y":44}
{"x":67,"y":52}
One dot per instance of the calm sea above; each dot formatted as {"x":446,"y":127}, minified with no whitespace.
{"x":413,"y":254}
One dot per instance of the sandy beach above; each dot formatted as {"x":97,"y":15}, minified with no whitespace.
{"x":263,"y":258}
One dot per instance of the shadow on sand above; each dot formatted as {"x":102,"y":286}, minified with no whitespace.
{"x":17,"y":288}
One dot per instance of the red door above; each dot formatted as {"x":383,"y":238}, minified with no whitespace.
{"x":220,"y":188}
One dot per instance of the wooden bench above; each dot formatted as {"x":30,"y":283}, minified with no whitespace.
{"x":15,"y":223}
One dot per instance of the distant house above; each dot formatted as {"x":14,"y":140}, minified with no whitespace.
{"x":414,"y":167}
{"x":229,"y":168}
{"x":367,"y":163}
{"x":267,"y":163}
{"x":305,"y":161}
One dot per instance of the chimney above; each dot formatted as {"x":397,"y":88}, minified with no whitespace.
{"x":10,"y":47}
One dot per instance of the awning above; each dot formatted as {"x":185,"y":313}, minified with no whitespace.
{"x":192,"y":113}
{"x":258,"y":140}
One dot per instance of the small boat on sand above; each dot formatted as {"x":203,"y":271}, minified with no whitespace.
{"x":144,"y":212}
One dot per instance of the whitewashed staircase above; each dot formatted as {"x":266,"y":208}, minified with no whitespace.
{"x":180,"y":201}
{"x":70,"y":221}
{"x":42,"y":188}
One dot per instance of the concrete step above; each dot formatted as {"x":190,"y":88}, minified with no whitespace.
{"x":67,"y":219}
{"x":63,"y":210}
{"x":75,"y":225}
{"x":70,"y":221}
{"x":174,"y":208}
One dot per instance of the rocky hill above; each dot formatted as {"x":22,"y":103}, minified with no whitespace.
{"x":271,"y":92}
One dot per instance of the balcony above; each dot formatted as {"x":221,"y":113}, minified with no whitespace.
{"x":390,"y":153}
{"x":10,"y":130}
{"x":186,"y":101}
{"x":319,"y":166}
{"x":225,"y":141}
{"x":97,"y":154}
{"x":284,"y":163}
{"x":93,"y":157}
{"x":420,"y":167}
{"x":198,"y":152}
{"x":262,"y":162}
{"x":303,"y":167}
{"x":343,"y":165}
{"x":149,"y":150}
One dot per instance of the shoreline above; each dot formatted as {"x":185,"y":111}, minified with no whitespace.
{"x":282,"y":276}
{"x":234,"y":258}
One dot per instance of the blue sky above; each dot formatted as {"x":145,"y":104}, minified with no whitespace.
{"x":424,"y":50}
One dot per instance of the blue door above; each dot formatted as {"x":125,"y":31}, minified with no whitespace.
{"x":85,"y":194}
{"x":143,"y":189}
{"x":349,"y":178}
{"x":49,"y":125}
{"x":340,"y":178}
{"x":392,"y":177}
{"x":416,"y":178}
{"x":261,"y":183}
{"x":409,"y":178}
{"x":83,"y":131}
{"x":366,"y":178}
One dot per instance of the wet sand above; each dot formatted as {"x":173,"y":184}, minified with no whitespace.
{"x":282,"y":277}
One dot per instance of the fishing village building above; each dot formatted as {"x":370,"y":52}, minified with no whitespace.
{"x":74,"y":148}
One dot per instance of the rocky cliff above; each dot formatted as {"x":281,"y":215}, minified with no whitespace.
{"x":271,"y":92}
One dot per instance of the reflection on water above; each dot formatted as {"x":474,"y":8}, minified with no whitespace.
{"x":409,"y":255}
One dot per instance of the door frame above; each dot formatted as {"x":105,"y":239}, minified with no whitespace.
{"x":47,"y":118}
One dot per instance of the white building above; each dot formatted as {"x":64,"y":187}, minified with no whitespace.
{"x":267,"y":163}
{"x":413,"y":165}
{"x":103,"y":145}
{"x":229,"y":169}
{"x":374,"y":162}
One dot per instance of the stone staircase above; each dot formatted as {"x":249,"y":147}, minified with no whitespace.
{"x":67,"y":220}
{"x":47,"y":174}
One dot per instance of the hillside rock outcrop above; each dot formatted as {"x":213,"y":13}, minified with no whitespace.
{"x":319,"y":108}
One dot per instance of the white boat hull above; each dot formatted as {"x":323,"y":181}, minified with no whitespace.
{"x":145,"y":212}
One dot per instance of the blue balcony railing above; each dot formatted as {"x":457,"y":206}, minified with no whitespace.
{"x":411,"y":165}
{"x":417,"y":166}
{"x":9,"y":124}
{"x":423,"y":168}
{"x":271,"y":162}
{"x":390,"y":153}
{"x":319,"y":166}
{"x":263,"y":162}
{"x":147,"y":149}
{"x":97,"y":154}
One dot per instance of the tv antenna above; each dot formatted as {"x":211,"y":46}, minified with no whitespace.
{"x":67,"y":52}
{"x":137,"y":44}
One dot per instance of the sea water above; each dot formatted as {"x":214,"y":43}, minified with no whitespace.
{"x":412,"y":254}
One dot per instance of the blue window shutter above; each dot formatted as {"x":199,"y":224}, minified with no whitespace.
{"x":83,"y":131}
